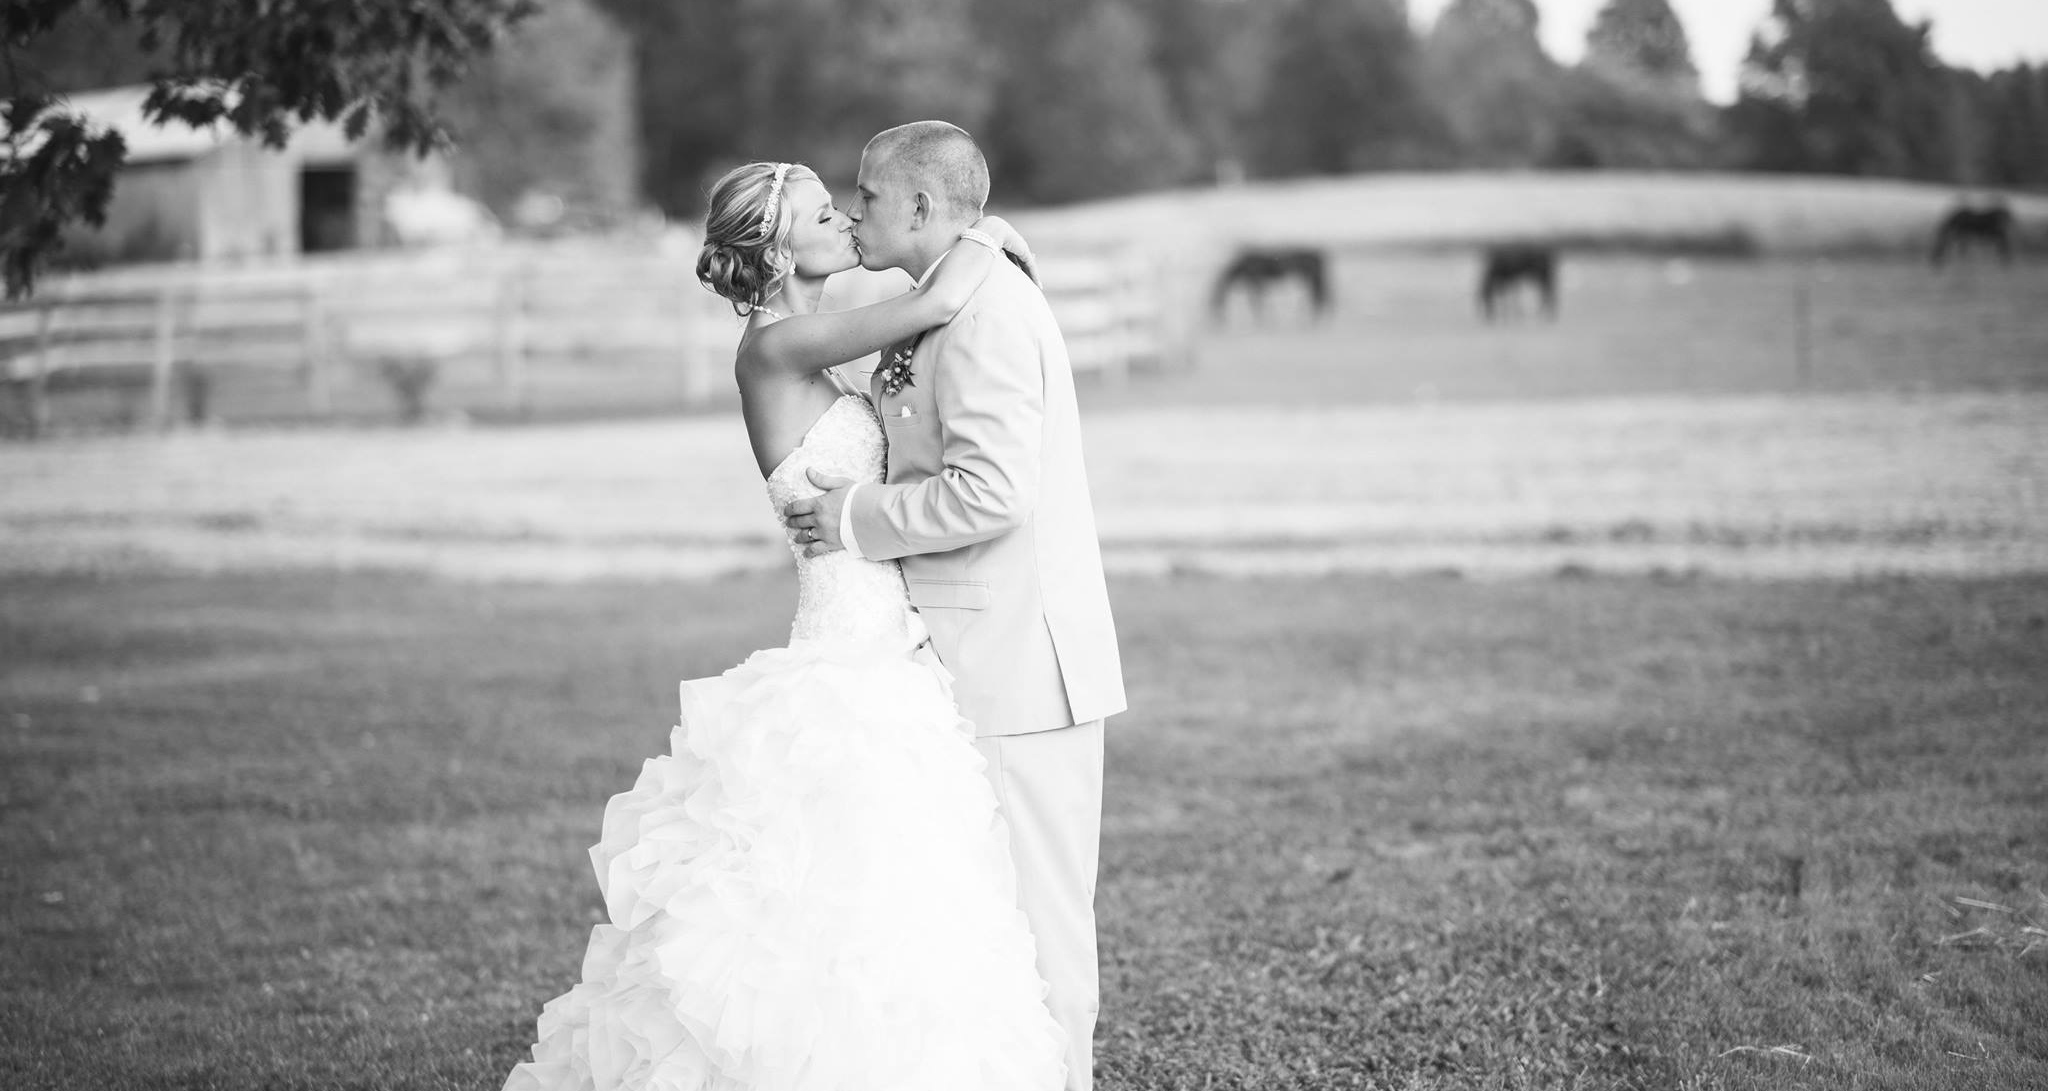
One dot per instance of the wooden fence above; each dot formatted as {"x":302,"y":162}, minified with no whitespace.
{"x":509,"y":330}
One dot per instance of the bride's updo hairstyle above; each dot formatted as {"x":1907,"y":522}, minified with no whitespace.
{"x":746,"y":233}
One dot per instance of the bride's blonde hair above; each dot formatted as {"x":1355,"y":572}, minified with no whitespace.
{"x":746,"y":253}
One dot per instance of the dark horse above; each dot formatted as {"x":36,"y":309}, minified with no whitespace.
{"x":1258,"y":268}
{"x":1965,"y":227}
{"x":1509,"y":265}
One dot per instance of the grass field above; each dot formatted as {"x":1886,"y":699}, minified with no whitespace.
{"x":317,"y":819}
{"x":1404,"y":329}
{"x":326,"y":831}
{"x":1950,"y":483}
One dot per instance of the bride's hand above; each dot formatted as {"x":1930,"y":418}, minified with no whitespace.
{"x":1011,"y":241}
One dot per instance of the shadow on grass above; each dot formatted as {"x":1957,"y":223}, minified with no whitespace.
{"x":328,"y":831}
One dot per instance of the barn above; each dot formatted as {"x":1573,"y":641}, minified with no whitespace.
{"x":213,"y":195}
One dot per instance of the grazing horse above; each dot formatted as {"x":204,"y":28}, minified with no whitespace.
{"x":1966,"y":227}
{"x":1258,"y":268}
{"x":1509,"y":265}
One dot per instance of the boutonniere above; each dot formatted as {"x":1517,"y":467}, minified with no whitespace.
{"x":895,"y":374}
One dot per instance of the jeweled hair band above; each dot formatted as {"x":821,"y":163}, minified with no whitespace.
{"x":774,"y":196}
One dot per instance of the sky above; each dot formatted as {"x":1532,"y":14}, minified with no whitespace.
{"x":1983,"y":34}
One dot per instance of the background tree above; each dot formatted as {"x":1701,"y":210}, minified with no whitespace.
{"x":1841,"y":87}
{"x":253,"y":64}
{"x":1071,"y":98}
{"x":823,"y":75}
{"x":1642,"y":42}
{"x":82,"y":49}
{"x":1498,"y":91}
{"x":725,"y":81}
{"x":2014,"y":109}
{"x":1213,"y":57}
{"x":1634,"y":101}
{"x":691,"y":108}
{"x":1093,"y":117}
{"x":543,"y":113}
{"x":1345,"y":92}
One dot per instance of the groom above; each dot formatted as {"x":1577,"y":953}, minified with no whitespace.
{"x":986,"y":504}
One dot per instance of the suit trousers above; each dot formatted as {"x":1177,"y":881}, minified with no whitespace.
{"x":1049,"y":787}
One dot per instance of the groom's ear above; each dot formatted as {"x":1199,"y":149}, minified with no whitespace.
{"x":920,"y":209}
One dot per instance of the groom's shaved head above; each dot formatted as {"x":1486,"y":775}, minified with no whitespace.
{"x":936,"y":157}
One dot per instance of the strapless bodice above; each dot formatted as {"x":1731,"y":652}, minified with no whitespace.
{"x":841,"y":597}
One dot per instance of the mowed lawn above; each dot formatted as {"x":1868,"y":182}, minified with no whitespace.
{"x":328,"y":831}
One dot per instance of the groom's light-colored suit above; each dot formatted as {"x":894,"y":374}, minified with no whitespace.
{"x":986,"y":505}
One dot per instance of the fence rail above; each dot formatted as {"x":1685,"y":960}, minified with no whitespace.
{"x":513,"y":328}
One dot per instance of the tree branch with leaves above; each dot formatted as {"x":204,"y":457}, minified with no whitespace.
{"x":260,"y":67}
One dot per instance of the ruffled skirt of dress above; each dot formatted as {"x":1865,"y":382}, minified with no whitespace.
{"x":812,"y":892}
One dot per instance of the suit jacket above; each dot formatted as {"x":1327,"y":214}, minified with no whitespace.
{"x":986,"y":505}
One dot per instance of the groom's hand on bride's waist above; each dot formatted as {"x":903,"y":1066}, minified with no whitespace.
{"x":817,"y":519}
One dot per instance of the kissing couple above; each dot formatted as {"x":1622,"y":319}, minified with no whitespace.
{"x":868,"y":861}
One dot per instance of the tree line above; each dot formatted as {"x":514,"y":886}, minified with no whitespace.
{"x":1072,"y":99}
{"x":1076,"y":99}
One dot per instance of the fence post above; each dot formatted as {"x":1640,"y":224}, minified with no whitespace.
{"x":1178,"y":288}
{"x":163,"y":353}
{"x":696,"y":368}
{"x":1802,"y":333}
{"x":1117,"y":344}
{"x":511,"y":336}
{"x":39,"y":380}
{"x":1141,"y":321}
{"x":318,"y":376}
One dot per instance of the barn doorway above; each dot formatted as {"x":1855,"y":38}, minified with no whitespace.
{"x":327,"y":209}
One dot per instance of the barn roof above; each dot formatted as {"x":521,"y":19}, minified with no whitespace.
{"x":120,"y":109}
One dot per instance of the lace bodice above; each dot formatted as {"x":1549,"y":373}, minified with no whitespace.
{"x":839,"y":596}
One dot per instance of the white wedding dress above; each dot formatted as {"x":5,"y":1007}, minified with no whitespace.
{"x":813,"y":890}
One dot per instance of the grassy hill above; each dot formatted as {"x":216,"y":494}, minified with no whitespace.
{"x":1722,"y":212}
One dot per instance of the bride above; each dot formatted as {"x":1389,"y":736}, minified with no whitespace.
{"x":813,"y":890}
